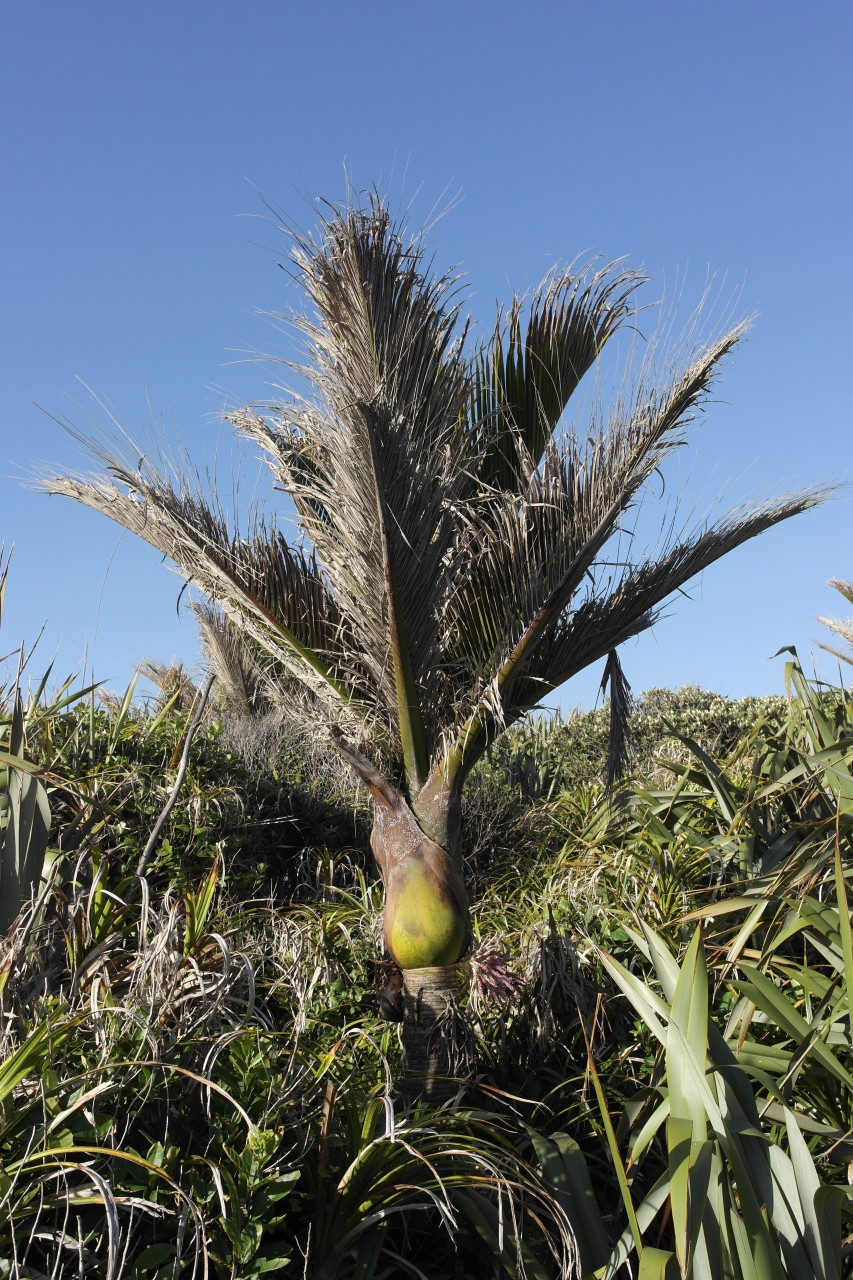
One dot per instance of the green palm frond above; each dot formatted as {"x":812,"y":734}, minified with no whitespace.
{"x":606,"y":619}
{"x":524,"y":557}
{"x":454,"y":529}
{"x":374,"y":460}
{"x":275,"y":591}
{"x":522,"y":380}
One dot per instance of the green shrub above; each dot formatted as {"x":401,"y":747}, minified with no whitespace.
{"x":190,"y":1078}
{"x":543,"y":755}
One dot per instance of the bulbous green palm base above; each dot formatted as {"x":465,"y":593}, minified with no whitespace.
{"x":426,"y":906}
{"x":425,"y":926}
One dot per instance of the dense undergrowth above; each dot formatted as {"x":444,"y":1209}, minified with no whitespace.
{"x":195,"y":1080}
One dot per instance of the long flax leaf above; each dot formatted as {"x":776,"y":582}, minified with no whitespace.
{"x":613,"y":1145}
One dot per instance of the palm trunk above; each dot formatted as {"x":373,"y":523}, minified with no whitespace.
{"x":426,"y":925}
{"x":436,"y":1040}
{"x":426,"y":932}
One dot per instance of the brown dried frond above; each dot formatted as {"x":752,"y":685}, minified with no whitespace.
{"x":619,"y":743}
{"x":110,"y":700}
{"x":244,"y":679}
{"x":174,"y":682}
{"x":560,"y":995}
{"x":844,"y":628}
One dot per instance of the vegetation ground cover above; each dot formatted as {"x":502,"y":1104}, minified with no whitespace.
{"x":195,"y":1078}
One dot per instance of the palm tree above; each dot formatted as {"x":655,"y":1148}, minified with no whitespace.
{"x":456,"y":562}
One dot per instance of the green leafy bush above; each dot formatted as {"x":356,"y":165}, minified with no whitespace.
{"x":542,"y":755}
{"x":194,"y":1076}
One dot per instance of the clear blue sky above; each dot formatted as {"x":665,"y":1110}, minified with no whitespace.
{"x":138,"y":141}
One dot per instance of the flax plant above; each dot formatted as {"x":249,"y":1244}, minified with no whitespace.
{"x":462,"y":546}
